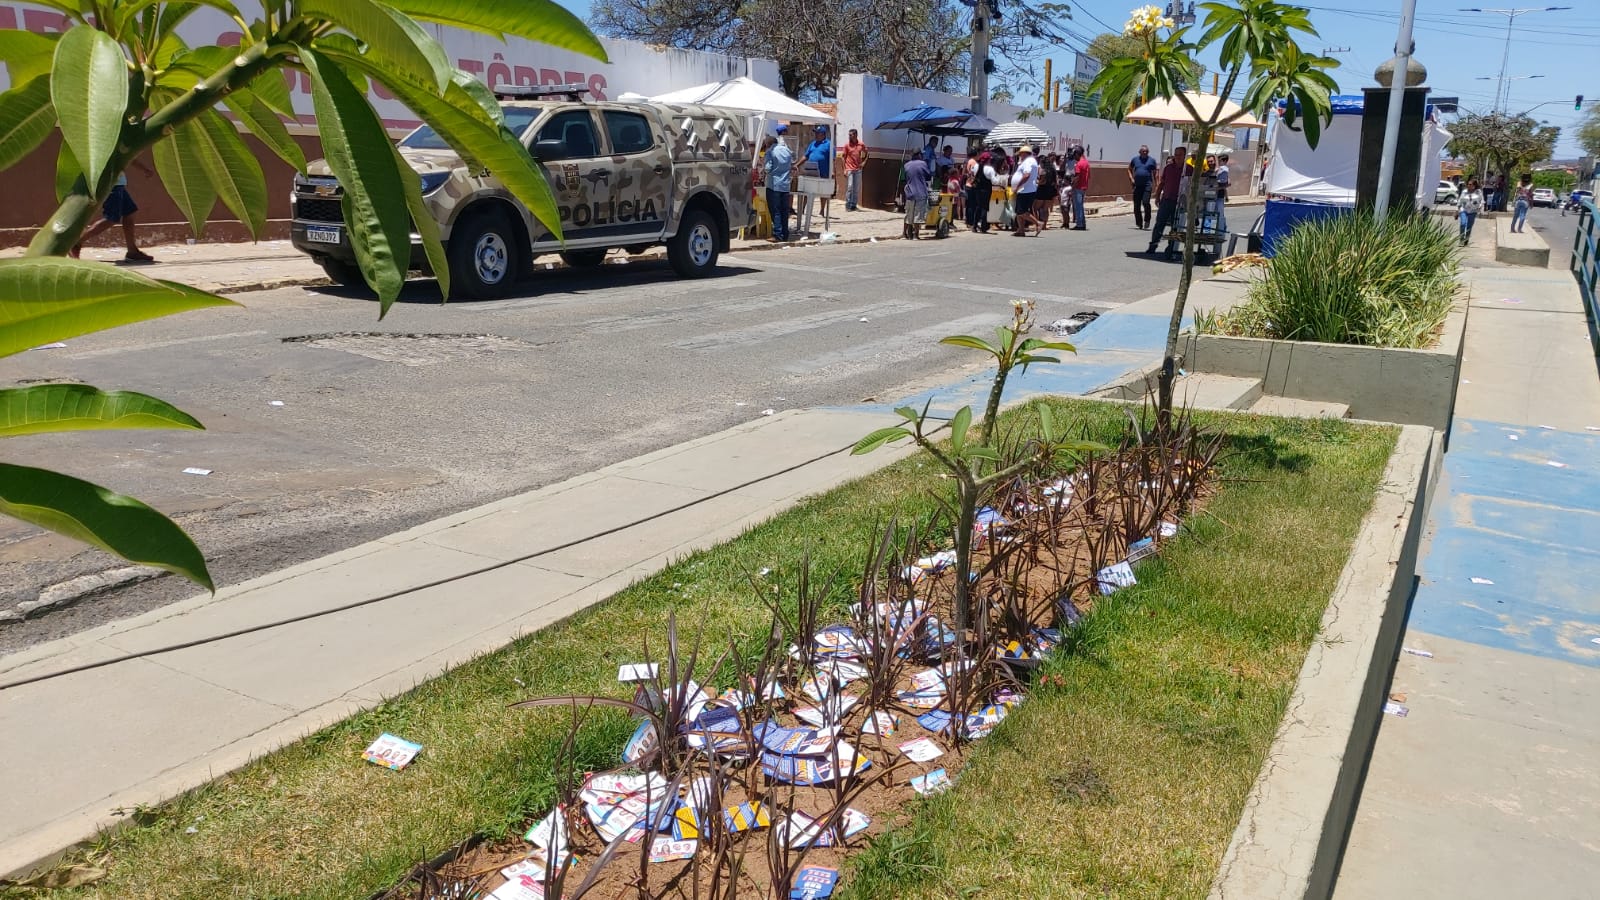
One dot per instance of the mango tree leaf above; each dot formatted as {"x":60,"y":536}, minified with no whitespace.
{"x":392,"y":39}
{"x":362,"y":158}
{"x":183,"y":173}
{"x":454,"y":118}
{"x":537,"y":20}
{"x":44,"y":299}
{"x":89,"y":85}
{"x":232,"y":169}
{"x":113,"y":522}
{"x":427,"y":227}
{"x":78,"y":407}
{"x":266,"y":126}
{"x":26,"y":119}
{"x":26,"y":54}
{"x":967,"y":340}
{"x":878,"y":438}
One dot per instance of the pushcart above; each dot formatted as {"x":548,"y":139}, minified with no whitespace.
{"x":941,"y":213}
{"x":1208,"y":236}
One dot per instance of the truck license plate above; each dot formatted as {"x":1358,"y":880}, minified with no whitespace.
{"x":323,"y":235}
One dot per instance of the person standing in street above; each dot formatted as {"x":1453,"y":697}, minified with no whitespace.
{"x":1049,"y":177}
{"x":854,"y":155}
{"x":1519,"y":215}
{"x":1141,"y":174}
{"x":916,"y":176}
{"x":819,"y":153}
{"x":1224,"y":177}
{"x":1167,"y":185}
{"x":980,"y":188}
{"x":118,"y":209}
{"x":1025,"y":185}
{"x":1080,"y":187}
{"x":779,"y":167}
{"x":1470,"y":202}
{"x":931,"y":152}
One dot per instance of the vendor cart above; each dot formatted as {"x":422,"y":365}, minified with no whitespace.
{"x":941,"y":212}
{"x":1208,"y":235}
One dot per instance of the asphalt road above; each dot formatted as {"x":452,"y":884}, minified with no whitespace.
{"x":383,"y":424}
{"x":1557,"y":231}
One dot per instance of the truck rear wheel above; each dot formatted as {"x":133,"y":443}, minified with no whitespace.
{"x":484,"y":257}
{"x":693,"y":250}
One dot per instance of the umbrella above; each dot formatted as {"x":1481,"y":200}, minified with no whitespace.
{"x":1014,"y":134}
{"x":1170,"y":110}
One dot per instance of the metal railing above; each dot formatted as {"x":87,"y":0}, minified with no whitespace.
{"x":1585,"y":266}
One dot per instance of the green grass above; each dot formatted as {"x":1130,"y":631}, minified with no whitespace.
{"x":1125,"y":775}
{"x":1351,"y":279}
{"x":1171,"y":707}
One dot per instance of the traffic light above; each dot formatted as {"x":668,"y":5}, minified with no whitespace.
{"x":1578,"y":103}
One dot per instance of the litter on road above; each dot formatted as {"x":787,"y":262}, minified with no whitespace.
{"x":1425,"y":654}
{"x":391,"y":752}
{"x":196,"y":470}
{"x":1477,"y":580}
{"x":1395,"y":709}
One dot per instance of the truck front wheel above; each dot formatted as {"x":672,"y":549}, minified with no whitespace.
{"x":693,"y":250}
{"x":346,"y":274}
{"x":484,"y":257}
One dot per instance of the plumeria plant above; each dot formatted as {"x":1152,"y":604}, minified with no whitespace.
{"x":1257,"y":50}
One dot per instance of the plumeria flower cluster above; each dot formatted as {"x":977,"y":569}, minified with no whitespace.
{"x":1146,"y":20}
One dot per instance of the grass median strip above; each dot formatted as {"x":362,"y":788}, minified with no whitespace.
{"x":1123,"y":778}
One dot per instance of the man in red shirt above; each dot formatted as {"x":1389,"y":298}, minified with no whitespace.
{"x":1167,"y":190}
{"x":854,"y":154}
{"x":1080,"y":186}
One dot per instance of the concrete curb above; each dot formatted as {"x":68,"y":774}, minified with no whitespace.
{"x":1519,"y":248}
{"x":1292,"y":833}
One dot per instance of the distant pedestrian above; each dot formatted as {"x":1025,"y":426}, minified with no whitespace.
{"x":1470,"y":202}
{"x":1064,"y":190}
{"x":1224,"y":178}
{"x":1025,"y":187}
{"x":1519,"y":217}
{"x":854,"y":154}
{"x":779,"y":166}
{"x":931,"y":152}
{"x":955,"y":186}
{"x":946,"y":158}
{"x":980,"y":188}
{"x":1167,"y":186}
{"x":1080,"y":187}
{"x":818,"y":154}
{"x":1049,"y":177}
{"x":1142,"y":174}
{"x":917,"y":174}
{"x":118,"y":209}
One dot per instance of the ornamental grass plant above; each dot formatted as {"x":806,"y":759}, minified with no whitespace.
{"x":1352,"y":279}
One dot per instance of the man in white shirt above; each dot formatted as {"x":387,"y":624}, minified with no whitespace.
{"x":1025,"y":183}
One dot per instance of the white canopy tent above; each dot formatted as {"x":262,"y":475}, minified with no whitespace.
{"x":1328,"y":173}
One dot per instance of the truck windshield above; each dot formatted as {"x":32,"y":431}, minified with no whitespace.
{"x":518,"y":118}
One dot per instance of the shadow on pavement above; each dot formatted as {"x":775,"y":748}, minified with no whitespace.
{"x":423,"y":290}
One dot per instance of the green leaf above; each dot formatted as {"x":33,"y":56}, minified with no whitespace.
{"x":113,"y":522}
{"x":183,"y":174}
{"x":1032,"y":344}
{"x":44,"y":299}
{"x":457,"y":118}
{"x":361,"y":157}
{"x":958,"y":428}
{"x":967,"y":340}
{"x":43,"y":408}
{"x":266,"y":126}
{"x":26,"y":54}
{"x":273,"y":91}
{"x":878,"y":438}
{"x":908,"y":413}
{"x":1047,"y":423}
{"x":537,"y":20}
{"x":392,"y":39}
{"x":427,"y":227}
{"x":26,"y":119}
{"x":89,"y":85}
{"x":232,"y":169}
{"x":67,"y":172}
{"x":982,"y":452}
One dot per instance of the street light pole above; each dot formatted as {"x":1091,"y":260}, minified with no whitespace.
{"x":1397,"y":98}
{"x":1503,"y":104}
{"x":1505,"y":55}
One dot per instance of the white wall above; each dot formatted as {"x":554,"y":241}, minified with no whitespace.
{"x":636,"y":67}
{"x":865,"y":100}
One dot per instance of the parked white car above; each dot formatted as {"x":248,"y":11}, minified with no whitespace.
{"x":1445,"y":192}
{"x":1544,"y":197}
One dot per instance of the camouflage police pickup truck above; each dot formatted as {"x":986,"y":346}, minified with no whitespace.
{"x":623,"y":174}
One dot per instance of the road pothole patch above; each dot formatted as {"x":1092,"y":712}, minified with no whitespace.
{"x":408,"y":349}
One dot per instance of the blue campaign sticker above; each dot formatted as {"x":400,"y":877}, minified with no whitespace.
{"x":814,"y":883}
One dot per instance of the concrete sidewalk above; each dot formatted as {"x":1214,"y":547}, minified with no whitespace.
{"x":1490,"y":785}
{"x":79,"y":746}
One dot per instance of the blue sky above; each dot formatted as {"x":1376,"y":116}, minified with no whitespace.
{"x":1457,"y":47}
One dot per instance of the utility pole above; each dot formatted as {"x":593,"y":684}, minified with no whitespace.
{"x":1397,"y":96}
{"x":1505,"y":55}
{"x":1503,"y":104}
{"x":978,"y":87}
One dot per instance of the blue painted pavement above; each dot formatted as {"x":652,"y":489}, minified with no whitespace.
{"x":1506,"y":515}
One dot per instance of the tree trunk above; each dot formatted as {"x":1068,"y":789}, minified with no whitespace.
{"x":966,"y":510}
{"x":1169,"y":363}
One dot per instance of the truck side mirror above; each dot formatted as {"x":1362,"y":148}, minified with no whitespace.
{"x":550,"y":148}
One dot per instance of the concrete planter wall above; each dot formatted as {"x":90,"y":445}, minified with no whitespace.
{"x":1413,"y":387}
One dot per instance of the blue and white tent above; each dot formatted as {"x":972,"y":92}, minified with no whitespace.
{"x":1327,"y":174}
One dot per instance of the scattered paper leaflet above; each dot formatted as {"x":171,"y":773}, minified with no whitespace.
{"x":391,"y":752}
